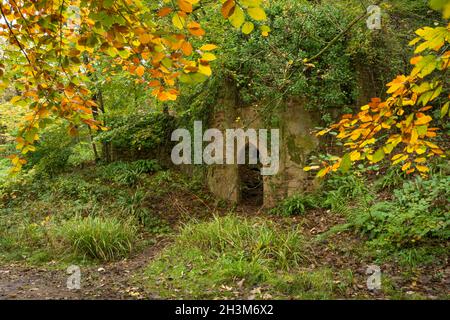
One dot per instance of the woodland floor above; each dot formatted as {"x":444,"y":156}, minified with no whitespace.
{"x":121,"y":280}
{"x":336,"y":260}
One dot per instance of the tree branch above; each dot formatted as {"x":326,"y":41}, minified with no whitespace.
{"x":14,"y":36}
{"x":340,"y":35}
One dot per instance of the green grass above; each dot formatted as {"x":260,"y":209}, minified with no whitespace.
{"x":248,"y":239}
{"x":39,"y":216}
{"x":99,"y":238}
{"x":316,"y":284}
{"x":297,"y":204}
{"x":236,"y":257}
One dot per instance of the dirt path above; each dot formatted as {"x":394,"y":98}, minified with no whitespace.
{"x":107,"y":281}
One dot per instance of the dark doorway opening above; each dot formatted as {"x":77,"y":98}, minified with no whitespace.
{"x":251,"y":181}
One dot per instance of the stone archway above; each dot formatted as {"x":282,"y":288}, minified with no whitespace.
{"x":250,"y":180}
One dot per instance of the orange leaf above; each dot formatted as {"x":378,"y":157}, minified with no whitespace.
{"x":228,"y":8}
{"x":140,"y":71}
{"x":145,"y":38}
{"x":186,"y":47}
{"x":185,"y":6}
{"x":164,"y":11}
{"x":415,"y":60}
{"x":195,"y":29}
{"x":154,"y":83}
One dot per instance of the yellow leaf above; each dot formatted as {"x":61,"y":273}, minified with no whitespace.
{"x":421,"y":150}
{"x":444,"y":109}
{"x":15,"y":99}
{"x":406,"y":166}
{"x":248,"y":27}
{"x":414,"y":136}
{"x":178,"y":21}
{"x":208,"y":47}
{"x":431,"y":145}
{"x":237,"y":18}
{"x":378,"y":155}
{"x":257,"y":13}
{"x":366,"y":107}
{"x":265,"y":32}
{"x":209,"y":57}
{"x":311,"y":168}
{"x":323,"y":172}
{"x":205,"y":69}
{"x":355,"y":155}
{"x":422,"y":168}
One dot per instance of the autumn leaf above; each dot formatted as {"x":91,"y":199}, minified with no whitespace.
{"x":140,"y":71}
{"x":185,"y":6}
{"x":257,"y":13}
{"x":208,"y":47}
{"x":228,"y":8}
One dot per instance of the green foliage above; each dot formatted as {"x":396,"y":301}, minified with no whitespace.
{"x":135,"y":206}
{"x":271,"y":68}
{"x":128,"y":173}
{"x":81,"y":153}
{"x":99,"y":238}
{"x":34,"y":210}
{"x":4,"y":170}
{"x":417,"y":213}
{"x":249,"y":240}
{"x":267,"y":70}
{"x":297,"y":204}
{"x":139,"y":131}
{"x":73,"y":187}
{"x":392,"y":178}
{"x":53,"y":152}
{"x":222,"y":251}
{"x":341,"y":192}
{"x":27,"y":240}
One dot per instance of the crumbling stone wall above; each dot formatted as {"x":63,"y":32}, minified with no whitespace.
{"x":296,"y":143}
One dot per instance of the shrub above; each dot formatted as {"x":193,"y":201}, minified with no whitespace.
{"x":139,"y":131}
{"x":104,"y":239}
{"x":340,"y":192}
{"x":133,"y":206}
{"x":393,"y":178}
{"x":146,"y":166}
{"x":417,"y":212}
{"x":72,"y":186}
{"x":52,"y":152}
{"x":81,"y":153}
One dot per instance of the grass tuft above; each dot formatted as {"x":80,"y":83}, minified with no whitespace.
{"x":104,"y":239}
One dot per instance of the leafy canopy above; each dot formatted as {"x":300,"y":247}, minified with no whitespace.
{"x":52,"y":49}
